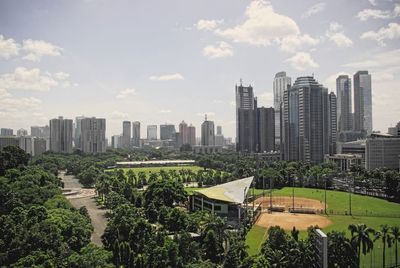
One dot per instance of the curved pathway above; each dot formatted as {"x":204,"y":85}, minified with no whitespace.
{"x":80,"y":197}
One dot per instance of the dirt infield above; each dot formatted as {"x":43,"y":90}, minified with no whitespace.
{"x":286,"y":201}
{"x":288,"y":220}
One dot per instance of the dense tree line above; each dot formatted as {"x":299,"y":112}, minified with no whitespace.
{"x":38,"y":226}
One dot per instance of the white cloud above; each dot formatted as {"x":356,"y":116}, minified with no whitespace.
{"x":166,"y":111}
{"x":392,"y":31}
{"x":126,"y":93}
{"x":222,"y":50}
{"x":336,"y":34}
{"x":302,"y":61}
{"x":293,"y":42}
{"x":33,"y":79}
{"x":372,"y":2}
{"x":366,"y":14}
{"x":315,"y":9}
{"x":264,"y":27}
{"x":119,"y":115}
{"x":373,"y":61}
{"x":36,"y":49}
{"x":8,"y":47}
{"x":330,"y":81}
{"x":12,"y":108}
{"x":167,"y":77}
{"x":207,"y":25}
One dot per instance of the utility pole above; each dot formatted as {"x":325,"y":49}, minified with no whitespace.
{"x":292,"y":192}
{"x":325,"y":193}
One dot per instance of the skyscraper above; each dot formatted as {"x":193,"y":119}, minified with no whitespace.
{"x":167,"y":132}
{"x":332,"y":132}
{"x":22,"y":132}
{"x":61,"y":135}
{"x":42,"y":132}
{"x":344,"y":105}
{"x":281,"y":83}
{"x":207,"y":133}
{"x":183,"y":130}
{"x":136,"y":133}
{"x":246,"y":106}
{"x":219,"y":138}
{"x":306,"y":121}
{"x":6,"y":132}
{"x":126,"y":134}
{"x":78,"y":132}
{"x":362,"y":102}
{"x":152,"y":132}
{"x":93,"y":135}
{"x":192,"y":135}
{"x":266,"y":129}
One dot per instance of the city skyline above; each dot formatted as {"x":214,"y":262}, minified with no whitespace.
{"x":46,"y":72}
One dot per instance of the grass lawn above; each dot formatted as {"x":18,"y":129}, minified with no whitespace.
{"x":339,"y":201}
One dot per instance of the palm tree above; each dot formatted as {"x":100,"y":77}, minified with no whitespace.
{"x":395,"y":232}
{"x":360,"y":239}
{"x":386,"y":239}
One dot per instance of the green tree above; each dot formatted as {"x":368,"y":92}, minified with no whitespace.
{"x":91,"y":256}
{"x":384,"y":234}
{"x":395,"y":232}
{"x":361,"y":240}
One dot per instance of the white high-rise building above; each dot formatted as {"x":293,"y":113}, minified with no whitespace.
{"x":281,"y":83}
{"x":152,"y":132}
{"x":207,"y":133}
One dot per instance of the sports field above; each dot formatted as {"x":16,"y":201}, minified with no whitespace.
{"x":371,"y":211}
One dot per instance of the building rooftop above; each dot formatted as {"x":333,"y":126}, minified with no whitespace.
{"x":155,"y":162}
{"x":232,"y":192}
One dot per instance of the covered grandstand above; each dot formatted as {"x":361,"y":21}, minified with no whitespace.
{"x":228,"y":200}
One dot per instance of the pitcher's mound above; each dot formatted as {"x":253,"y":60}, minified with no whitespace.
{"x":288,"y":220}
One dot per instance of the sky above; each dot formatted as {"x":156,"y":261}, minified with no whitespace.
{"x":167,"y":61}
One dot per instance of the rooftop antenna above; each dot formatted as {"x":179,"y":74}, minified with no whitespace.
{"x":240,"y":81}
{"x":206,"y":117}
{"x":312,"y":75}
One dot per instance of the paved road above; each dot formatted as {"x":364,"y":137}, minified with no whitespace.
{"x":97,"y":217}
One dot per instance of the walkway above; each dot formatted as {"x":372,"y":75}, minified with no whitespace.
{"x":80,"y":197}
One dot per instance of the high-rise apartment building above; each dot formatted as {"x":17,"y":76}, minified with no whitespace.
{"x":93,"y":135}
{"x":126,"y":134}
{"x":395,"y":131}
{"x":61,"y":135}
{"x":362,"y":102}
{"x":167,"y":132}
{"x":183,"y":130}
{"x":246,"y":114}
{"x":42,"y":132}
{"x":332,"y":122}
{"x":219,"y":138}
{"x":136,"y":134}
{"x":22,"y":132}
{"x":78,"y":132}
{"x":116,"y":141}
{"x":344,"y":103}
{"x":306,"y":121}
{"x":266,"y":129}
{"x":6,"y":132}
{"x":280,"y":84}
{"x":191,"y":135}
{"x":152,"y":132}
{"x":207,"y":133}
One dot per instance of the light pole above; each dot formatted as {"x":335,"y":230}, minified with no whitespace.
{"x":350,"y":195}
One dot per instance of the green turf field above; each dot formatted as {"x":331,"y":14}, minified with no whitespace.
{"x":379,"y":212}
